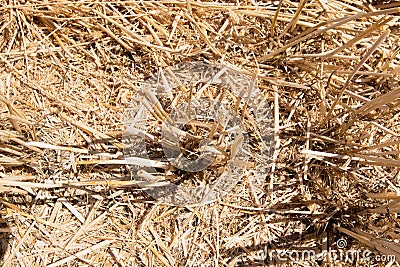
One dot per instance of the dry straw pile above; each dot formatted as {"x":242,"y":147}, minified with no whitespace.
{"x":329,"y":70}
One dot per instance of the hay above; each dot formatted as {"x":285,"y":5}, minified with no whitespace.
{"x":328,"y":69}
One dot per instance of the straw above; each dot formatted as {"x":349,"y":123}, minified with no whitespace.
{"x":74,"y":177}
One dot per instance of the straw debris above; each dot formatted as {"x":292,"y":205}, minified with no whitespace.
{"x":328,"y":69}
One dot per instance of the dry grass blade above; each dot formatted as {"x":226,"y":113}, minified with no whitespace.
{"x":356,"y":68}
{"x":353,"y":41}
{"x":134,"y":37}
{"x":274,"y":20}
{"x":77,"y":255}
{"x":15,"y":114}
{"x":336,"y":23}
{"x":292,"y":25}
{"x":383,"y":195}
{"x":90,"y":130}
{"x":362,"y":159}
{"x":379,"y":102}
{"x":382,"y":246}
{"x":392,"y":207}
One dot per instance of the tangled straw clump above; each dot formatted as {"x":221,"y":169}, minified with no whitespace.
{"x":210,"y":126}
{"x":328,"y":69}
